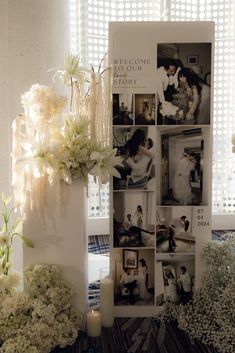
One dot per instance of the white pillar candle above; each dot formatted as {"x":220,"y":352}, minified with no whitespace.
{"x":94,"y":323}
{"x":106,"y":301}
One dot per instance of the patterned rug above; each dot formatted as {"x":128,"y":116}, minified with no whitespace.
{"x":138,"y":335}
{"x":222,"y":234}
{"x":98,"y":244}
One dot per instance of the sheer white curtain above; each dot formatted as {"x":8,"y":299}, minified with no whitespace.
{"x":89,"y":37}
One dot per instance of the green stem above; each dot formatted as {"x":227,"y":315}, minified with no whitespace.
{"x":71,"y":96}
{"x":9,"y":214}
{"x":13,"y":235}
{"x":7,"y":259}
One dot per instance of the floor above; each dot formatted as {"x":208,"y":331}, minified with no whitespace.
{"x":138,"y":335}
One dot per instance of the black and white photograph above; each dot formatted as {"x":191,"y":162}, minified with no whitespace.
{"x":183,"y":88}
{"x":130,"y":259}
{"x":134,"y":277}
{"x":174,"y":230}
{"x":174,"y":278}
{"x":123,"y":109}
{"x":145,"y":108}
{"x":134,"y":219}
{"x":184,"y":158}
{"x":137,"y":147}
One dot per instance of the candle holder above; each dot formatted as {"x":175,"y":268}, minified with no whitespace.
{"x":106,"y":297}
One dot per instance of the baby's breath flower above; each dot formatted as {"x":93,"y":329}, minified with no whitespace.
{"x":40,"y":318}
{"x":210,"y":315}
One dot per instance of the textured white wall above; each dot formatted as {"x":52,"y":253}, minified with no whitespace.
{"x":4,"y":112}
{"x":34,"y":36}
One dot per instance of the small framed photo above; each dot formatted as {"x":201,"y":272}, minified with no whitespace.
{"x":130,"y":258}
{"x":192,"y":60}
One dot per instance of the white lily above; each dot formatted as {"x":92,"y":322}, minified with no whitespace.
{"x":71,"y":70}
{"x":105,"y":163}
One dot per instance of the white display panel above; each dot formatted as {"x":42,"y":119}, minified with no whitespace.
{"x":161,"y":123}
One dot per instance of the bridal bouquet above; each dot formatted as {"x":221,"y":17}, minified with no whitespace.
{"x":64,"y":146}
{"x":168,"y":109}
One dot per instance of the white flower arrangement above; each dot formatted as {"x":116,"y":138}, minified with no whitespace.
{"x":56,"y":146}
{"x":210,"y":315}
{"x":41,"y":317}
{"x":42,"y":104}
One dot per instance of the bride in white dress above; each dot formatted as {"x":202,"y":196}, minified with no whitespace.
{"x":181,"y":188}
{"x":140,"y":161}
{"x":172,"y":288}
{"x":142,"y":275}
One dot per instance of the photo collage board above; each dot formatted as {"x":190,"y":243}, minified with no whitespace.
{"x":161,"y":128}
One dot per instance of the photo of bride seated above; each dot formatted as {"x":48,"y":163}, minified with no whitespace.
{"x":174,"y":231}
{"x":137,"y":147}
{"x":134,"y":277}
{"x":133,"y":219}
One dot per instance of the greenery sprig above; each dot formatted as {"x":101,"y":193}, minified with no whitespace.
{"x":8,"y":231}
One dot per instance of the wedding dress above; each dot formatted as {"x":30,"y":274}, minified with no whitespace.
{"x":143,"y":293}
{"x":172,"y":290}
{"x":138,"y":166}
{"x":203,"y":116}
{"x":182,"y":188}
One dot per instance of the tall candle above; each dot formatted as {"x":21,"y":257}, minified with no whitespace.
{"x":94,"y":323}
{"x":106,"y":301}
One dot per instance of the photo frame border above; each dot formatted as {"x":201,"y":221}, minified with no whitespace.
{"x":191,"y":57}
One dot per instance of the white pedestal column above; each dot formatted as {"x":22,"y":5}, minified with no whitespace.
{"x":63,"y":241}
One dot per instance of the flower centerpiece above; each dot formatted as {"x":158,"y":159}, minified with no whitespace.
{"x":49,"y":144}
